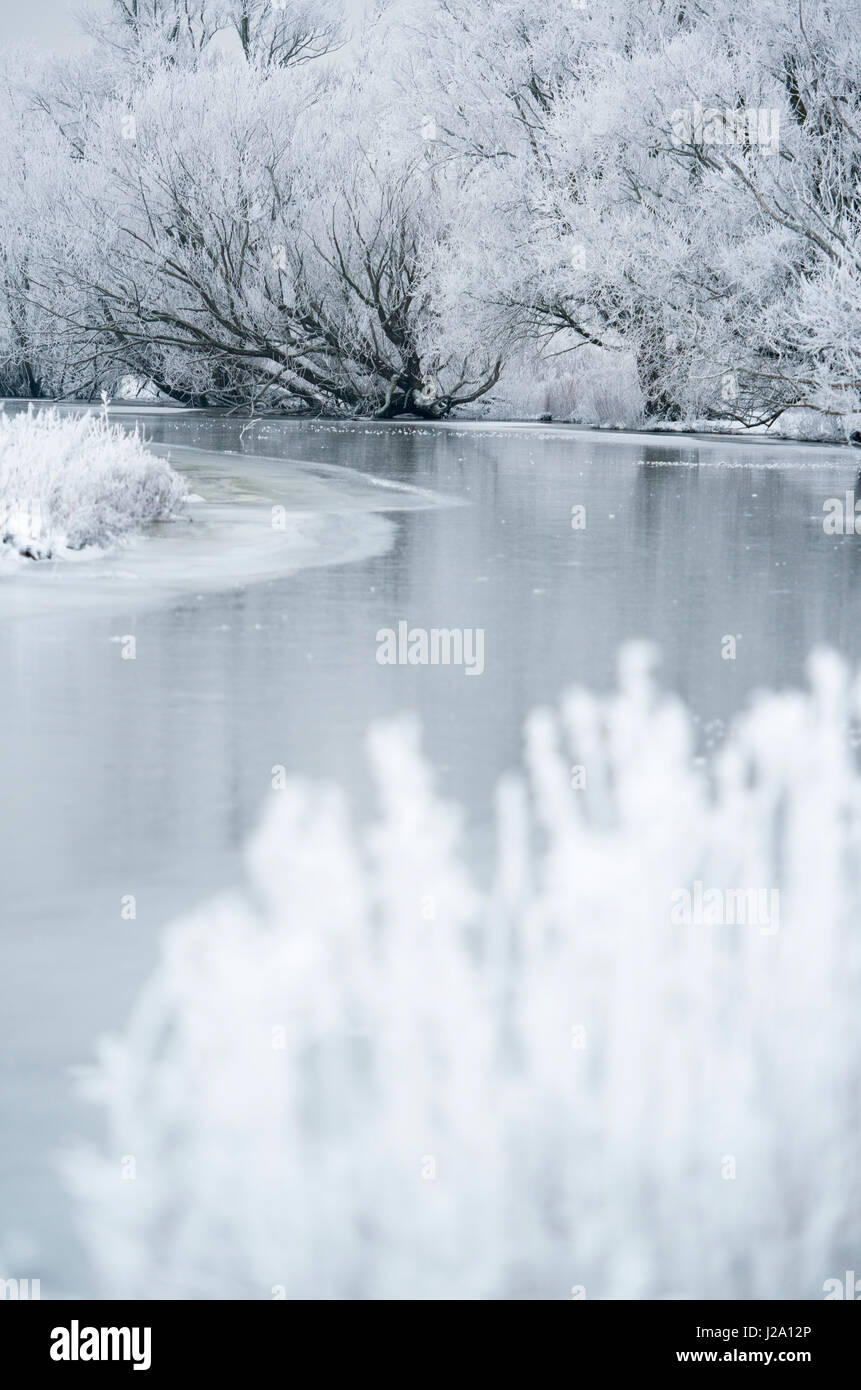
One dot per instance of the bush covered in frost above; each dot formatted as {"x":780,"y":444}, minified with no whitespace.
{"x":67,"y":482}
{"x":368,"y":1076}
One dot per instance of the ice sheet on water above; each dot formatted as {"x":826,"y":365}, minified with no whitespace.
{"x":68,"y":483}
{"x":369,"y":1075}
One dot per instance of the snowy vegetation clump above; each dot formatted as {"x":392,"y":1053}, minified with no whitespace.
{"x":369,"y":1075}
{"x":71,"y":482}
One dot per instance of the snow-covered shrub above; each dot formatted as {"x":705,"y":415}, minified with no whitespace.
{"x":67,"y":482}
{"x":369,"y":1075}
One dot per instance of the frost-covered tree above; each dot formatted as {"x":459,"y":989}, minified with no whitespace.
{"x":34,"y":361}
{"x":268,"y":33}
{"x":233,"y":210}
{"x":156,"y":30}
{"x":284,"y":33}
{"x":635,"y":206}
{"x":232,"y":248}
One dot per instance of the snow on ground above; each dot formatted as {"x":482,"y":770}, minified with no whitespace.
{"x":69,"y":483}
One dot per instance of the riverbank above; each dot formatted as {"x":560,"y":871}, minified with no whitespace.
{"x":249,"y":519}
{"x":827,"y":437}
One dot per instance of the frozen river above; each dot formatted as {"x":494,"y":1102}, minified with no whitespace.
{"x":256,"y":647}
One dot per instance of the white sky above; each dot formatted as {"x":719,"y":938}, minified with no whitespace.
{"x":47,"y":23}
